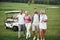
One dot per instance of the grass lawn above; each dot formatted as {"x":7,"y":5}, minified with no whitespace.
{"x":53,"y":31}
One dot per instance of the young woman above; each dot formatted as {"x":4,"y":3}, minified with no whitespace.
{"x":42,"y":25}
{"x":27,"y":19}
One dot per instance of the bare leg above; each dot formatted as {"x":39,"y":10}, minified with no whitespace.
{"x":34,"y":35}
{"x":44,"y":31}
{"x":40,"y":34}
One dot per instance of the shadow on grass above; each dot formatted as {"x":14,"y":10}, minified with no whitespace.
{"x":7,"y":9}
{"x":23,"y":38}
{"x":13,"y":38}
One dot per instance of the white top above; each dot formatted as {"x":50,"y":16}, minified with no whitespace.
{"x":21,"y":18}
{"x":42,"y":23}
{"x":43,"y":17}
{"x":36,"y":19}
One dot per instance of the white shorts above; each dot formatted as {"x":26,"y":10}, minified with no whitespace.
{"x":35,"y":27}
{"x":42,"y":26}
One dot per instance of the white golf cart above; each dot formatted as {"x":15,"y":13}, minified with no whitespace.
{"x":10,"y":21}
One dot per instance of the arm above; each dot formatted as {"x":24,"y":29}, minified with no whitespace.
{"x":15,"y":17}
{"x":45,"y":19}
{"x":30,"y":18}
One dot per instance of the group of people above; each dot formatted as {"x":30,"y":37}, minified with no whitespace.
{"x":37,"y":20}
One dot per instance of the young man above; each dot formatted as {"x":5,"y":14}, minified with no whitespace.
{"x":21,"y":22}
{"x":42,"y":25}
{"x":35,"y":23}
{"x":27,"y":19}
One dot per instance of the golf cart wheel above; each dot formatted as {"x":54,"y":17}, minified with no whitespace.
{"x":15,"y":28}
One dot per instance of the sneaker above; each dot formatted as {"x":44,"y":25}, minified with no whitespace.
{"x":26,"y":37}
{"x":34,"y":38}
{"x":37,"y":38}
{"x":43,"y":39}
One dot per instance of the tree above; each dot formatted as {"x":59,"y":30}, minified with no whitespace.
{"x":32,"y":1}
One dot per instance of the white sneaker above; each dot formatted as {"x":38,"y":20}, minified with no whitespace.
{"x":26,"y":37}
{"x":43,"y":39}
{"x":34,"y":38}
{"x":37,"y":38}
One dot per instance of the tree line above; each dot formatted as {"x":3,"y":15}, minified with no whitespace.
{"x":34,"y":1}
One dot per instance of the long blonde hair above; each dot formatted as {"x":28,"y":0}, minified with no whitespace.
{"x":42,"y":10}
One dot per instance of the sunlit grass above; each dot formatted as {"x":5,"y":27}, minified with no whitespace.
{"x":53,"y":31}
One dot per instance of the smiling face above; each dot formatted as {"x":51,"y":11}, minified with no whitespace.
{"x":26,"y":12}
{"x":42,"y":11}
{"x":21,"y":11}
{"x":35,"y":10}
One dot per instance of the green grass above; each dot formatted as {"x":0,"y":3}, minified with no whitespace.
{"x":53,"y":31}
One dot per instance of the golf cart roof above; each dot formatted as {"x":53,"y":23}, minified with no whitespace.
{"x":11,"y":12}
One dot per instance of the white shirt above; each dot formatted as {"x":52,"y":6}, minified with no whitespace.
{"x":21,"y":18}
{"x":42,"y":23}
{"x":43,"y":17}
{"x":36,"y":19}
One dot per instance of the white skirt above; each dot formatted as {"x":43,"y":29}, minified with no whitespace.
{"x":42,"y":26}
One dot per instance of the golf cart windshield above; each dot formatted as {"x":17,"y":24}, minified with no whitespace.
{"x":10,"y":15}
